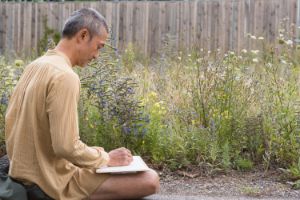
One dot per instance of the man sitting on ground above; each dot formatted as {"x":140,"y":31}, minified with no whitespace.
{"x":41,"y":130}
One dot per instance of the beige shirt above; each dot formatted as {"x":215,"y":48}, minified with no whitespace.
{"x":41,"y":130}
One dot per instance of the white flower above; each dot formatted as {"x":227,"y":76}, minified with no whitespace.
{"x":244,"y":50}
{"x":283,"y":61}
{"x":231,"y":52}
{"x":201,"y":49}
{"x":240,"y":57}
{"x":179,"y":58}
{"x":261,"y":38}
{"x":253,"y":37}
{"x":289,"y":42}
{"x":189,"y":55}
{"x":269,"y":64}
{"x":255,"y":51}
{"x":255,"y":60}
{"x":208,"y":52}
{"x":248,"y":82}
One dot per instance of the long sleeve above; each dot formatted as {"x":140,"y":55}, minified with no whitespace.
{"x":61,"y":104}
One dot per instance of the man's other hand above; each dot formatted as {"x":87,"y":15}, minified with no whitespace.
{"x":119,"y":157}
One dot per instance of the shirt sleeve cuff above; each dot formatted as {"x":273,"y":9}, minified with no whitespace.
{"x":104,"y":157}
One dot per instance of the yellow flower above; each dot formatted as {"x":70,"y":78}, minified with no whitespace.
{"x":156,"y":105}
{"x":152,"y":96}
{"x":19,"y":62}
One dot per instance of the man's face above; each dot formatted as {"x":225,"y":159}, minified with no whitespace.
{"x":89,"y":48}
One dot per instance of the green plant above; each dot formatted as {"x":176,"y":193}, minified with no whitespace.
{"x":251,"y":191}
{"x":9,"y":75}
{"x":244,"y":164}
{"x":49,"y":39}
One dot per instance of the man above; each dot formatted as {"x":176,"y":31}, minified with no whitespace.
{"x":42,"y":133}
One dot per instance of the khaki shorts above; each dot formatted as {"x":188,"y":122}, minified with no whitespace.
{"x":84,"y":183}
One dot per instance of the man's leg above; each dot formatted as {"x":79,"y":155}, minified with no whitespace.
{"x":128,"y":186}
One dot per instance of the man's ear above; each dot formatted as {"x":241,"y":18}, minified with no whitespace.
{"x":83,"y":35}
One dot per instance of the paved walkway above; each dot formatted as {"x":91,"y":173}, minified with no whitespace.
{"x":177,"y":197}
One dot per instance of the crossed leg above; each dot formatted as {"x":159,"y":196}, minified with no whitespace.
{"x":128,"y":186}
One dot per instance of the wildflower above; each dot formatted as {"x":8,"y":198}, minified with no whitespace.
{"x":189,"y":55}
{"x":157,"y":105}
{"x":144,"y":132}
{"x":19,"y":62}
{"x":255,"y":60}
{"x":283,"y":61}
{"x":261,"y":38}
{"x":130,"y":90}
{"x":240,"y":57}
{"x":231,"y":53}
{"x":143,"y":102}
{"x":179,"y":58}
{"x":289,"y":42}
{"x":244,"y":50}
{"x":4,"y":99}
{"x":202,"y":77}
{"x":163,"y":111}
{"x":248,"y":82}
{"x":152,"y":95}
{"x":208,"y":52}
{"x":255,"y":51}
{"x":126,"y":130}
{"x":253,"y":37}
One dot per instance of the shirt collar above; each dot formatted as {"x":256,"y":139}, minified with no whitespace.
{"x":56,"y":52}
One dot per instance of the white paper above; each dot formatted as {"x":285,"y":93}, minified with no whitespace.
{"x":137,"y":165}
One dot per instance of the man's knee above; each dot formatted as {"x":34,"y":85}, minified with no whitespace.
{"x":152,"y":181}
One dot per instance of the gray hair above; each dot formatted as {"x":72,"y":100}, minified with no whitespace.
{"x":87,"y":18}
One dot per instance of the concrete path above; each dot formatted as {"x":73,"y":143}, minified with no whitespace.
{"x":178,"y":197}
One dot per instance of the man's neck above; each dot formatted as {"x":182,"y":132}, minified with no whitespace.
{"x":64,"y":47}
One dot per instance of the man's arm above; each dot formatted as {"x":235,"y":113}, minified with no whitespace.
{"x":62,"y":100}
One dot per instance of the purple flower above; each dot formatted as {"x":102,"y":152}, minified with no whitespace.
{"x":4,"y":99}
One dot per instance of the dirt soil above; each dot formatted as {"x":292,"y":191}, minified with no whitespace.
{"x":252,"y":184}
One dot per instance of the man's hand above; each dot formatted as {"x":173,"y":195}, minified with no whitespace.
{"x":119,"y":157}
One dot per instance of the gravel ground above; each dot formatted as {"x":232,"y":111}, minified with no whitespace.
{"x":234,"y":185}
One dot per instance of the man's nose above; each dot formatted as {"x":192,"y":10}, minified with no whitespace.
{"x":96,"y":55}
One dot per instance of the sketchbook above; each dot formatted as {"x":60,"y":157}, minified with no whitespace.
{"x":137,"y":165}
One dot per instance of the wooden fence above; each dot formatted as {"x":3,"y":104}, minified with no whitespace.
{"x":207,"y":24}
